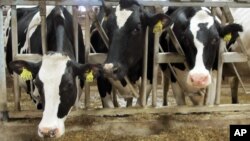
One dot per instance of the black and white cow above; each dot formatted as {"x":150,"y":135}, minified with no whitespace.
{"x":241,"y":16}
{"x":55,"y":75}
{"x":200,"y":35}
{"x":22,"y":12}
{"x":125,"y":26}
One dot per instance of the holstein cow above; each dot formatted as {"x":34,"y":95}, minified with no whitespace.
{"x":125,"y":27}
{"x":55,"y":75}
{"x":241,"y":16}
{"x":23,"y":16}
{"x":200,"y":35}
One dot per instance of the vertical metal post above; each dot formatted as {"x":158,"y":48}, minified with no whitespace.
{"x":75,"y":30}
{"x":220,"y":69}
{"x":87,"y":50}
{"x":145,"y":66}
{"x":14,"y":30}
{"x":155,"y":67}
{"x":3,"y":94}
{"x":42,"y":8}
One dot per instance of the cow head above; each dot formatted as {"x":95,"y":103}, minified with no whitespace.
{"x":125,"y":27}
{"x":200,"y":35}
{"x":54,"y":77}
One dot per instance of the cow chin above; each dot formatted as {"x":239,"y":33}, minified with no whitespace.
{"x":48,"y":130}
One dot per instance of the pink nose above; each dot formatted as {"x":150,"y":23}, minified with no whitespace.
{"x":48,"y":132}
{"x":199,"y":80}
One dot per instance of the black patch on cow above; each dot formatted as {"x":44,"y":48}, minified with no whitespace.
{"x":103,"y":86}
{"x":67,"y":92}
{"x":40,"y":87}
{"x":211,"y":41}
{"x":128,"y":3}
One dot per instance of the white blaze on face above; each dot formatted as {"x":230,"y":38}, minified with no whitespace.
{"x":36,"y":20}
{"x":122,"y":16}
{"x":199,"y":68}
{"x":51,"y":72}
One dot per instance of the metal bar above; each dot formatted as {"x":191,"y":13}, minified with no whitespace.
{"x":220,"y":68}
{"x":75,"y":32}
{"x":42,"y":7}
{"x":87,"y":51}
{"x":28,"y":57}
{"x":169,"y":110}
{"x":144,"y":75}
{"x":236,"y":71}
{"x":207,"y":3}
{"x":170,"y":57}
{"x":155,"y":67}
{"x":101,"y":31}
{"x":14,"y":31}
{"x":3,"y":94}
{"x":135,"y":94}
{"x":75,"y":29}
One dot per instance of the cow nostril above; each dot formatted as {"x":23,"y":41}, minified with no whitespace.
{"x":192,"y":79}
{"x":52,"y":133}
{"x":48,"y":133}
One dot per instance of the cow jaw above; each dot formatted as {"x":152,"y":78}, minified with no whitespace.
{"x":51,"y":72}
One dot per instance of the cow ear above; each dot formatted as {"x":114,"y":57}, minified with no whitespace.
{"x":152,"y":20}
{"x":87,"y":72}
{"x":230,"y":33}
{"x":20,"y":67}
{"x":230,"y":28}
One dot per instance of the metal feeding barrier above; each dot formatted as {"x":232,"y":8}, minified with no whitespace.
{"x":158,"y":58}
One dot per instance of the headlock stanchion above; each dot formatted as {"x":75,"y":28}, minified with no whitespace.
{"x":3,"y":93}
{"x":166,"y":57}
{"x":14,"y":31}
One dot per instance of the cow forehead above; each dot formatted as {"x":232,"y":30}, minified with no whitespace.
{"x":53,"y":67}
{"x":122,"y":16}
{"x":201,"y":17}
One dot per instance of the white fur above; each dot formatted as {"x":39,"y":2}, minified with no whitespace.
{"x":36,"y":20}
{"x":108,"y":66}
{"x":51,"y":71}
{"x":122,"y":16}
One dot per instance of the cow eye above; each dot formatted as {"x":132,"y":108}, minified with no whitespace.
{"x":214,"y":41}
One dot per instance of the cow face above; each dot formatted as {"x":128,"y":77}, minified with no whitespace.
{"x":125,"y":27}
{"x":200,"y":38}
{"x":54,"y":77}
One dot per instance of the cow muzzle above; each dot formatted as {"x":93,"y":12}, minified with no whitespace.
{"x":111,"y":70}
{"x":199,"y":80}
{"x":49,"y":132}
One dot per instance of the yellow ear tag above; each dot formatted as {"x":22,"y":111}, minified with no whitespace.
{"x":158,"y":27}
{"x":228,"y":37}
{"x":26,"y":75}
{"x":90,"y":76}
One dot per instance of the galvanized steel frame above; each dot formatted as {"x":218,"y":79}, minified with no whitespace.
{"x":223,"y":3}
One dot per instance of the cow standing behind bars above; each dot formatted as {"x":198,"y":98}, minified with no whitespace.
{"x":125,"y":26}
{"x":200,"y":35}
{"x":54,"y":76}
